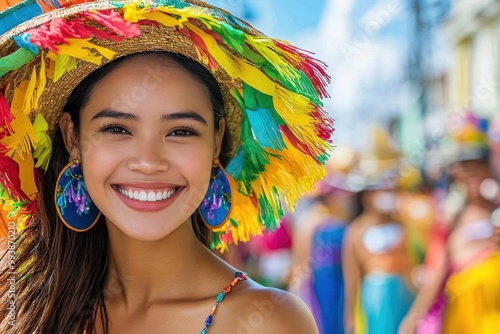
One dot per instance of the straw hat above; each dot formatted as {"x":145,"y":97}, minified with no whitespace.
{"x":272,"y":92}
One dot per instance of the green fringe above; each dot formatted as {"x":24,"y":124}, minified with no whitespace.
{"x":255,"y":157}
{"x":15,"y":60}
{"x":234,"y":38}
{"x":270,"y":212}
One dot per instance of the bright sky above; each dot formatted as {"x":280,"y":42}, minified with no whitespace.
{"x":365,"y":44}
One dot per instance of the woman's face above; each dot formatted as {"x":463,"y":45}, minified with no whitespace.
{"x":471,"y":174}
{"x":147,"y":142}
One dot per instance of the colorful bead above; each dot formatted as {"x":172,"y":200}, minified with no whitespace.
{"x":239,"y":276}
{"x":208,"y":321}
{"x":220,"y":297}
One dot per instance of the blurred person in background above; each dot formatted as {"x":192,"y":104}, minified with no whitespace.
{"x":466,"y":260}
{"x":268,"y":257}
{"x":376,"y":264}
{"x":494,"y":141}
{"x":318,"y":229}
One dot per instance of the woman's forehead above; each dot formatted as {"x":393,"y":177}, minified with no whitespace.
{"x":147,"y":77}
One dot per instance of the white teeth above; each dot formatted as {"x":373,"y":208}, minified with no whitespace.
{"x":144,"y":196}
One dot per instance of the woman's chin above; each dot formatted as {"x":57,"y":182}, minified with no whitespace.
{"x":146,"y":232}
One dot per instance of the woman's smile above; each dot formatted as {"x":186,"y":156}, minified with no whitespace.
{"x":147,"y":196}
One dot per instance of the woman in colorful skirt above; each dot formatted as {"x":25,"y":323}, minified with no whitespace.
{"x":468,"y":264}
{"x":376,"y":262}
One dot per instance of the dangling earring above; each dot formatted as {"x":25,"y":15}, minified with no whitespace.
{"x":216,"y":205}
{"x":73,"y":203}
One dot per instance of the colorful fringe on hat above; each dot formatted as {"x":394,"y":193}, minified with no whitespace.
{"x":272,"y":91}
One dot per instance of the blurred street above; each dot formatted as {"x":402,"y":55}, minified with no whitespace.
{"x":403,"y":235}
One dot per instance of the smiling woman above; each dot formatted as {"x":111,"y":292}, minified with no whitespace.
{"x":145,"y":150}
{"x":135,"y":136}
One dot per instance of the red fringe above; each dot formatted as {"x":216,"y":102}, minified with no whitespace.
{"x":201,"y":47}
{"x":295,"y":141}
{"x":315,"y":69}
{"x":9,"y":178}
{"x":323,"y":124}
{"x":57,"y":31}
{"x":6,"y":118}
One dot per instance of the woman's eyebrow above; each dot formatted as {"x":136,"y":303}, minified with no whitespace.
{"x":184,"y":115}
{"x":109,"y":113}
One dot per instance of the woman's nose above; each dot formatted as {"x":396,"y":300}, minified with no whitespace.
{"x":149,"y":157}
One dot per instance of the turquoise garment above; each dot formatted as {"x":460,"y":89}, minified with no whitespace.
{"x":385,"y":300}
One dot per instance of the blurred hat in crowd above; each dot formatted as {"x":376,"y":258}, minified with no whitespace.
{"x":337,"y":169}
{"x":467,"y":139}
{"x":382,"y":166}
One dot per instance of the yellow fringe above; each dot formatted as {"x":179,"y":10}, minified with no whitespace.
{"x":245,"y":213}
{"x":62,"y":64}
{"x":28,"y":94}
{"x":273,"y":54}
{"x":81,"y":49}
{"x":6,"y":208}
{"x":19,"y":142}
{"x":234,"y":66}
{"x":291,"y":170}
{"x":133,"y":13}
{"x":295,"y":111}
{"x":42,"y":146}
{"x":306,"y":171}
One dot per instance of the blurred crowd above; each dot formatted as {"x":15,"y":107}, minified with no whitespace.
{"x":384,"y":246}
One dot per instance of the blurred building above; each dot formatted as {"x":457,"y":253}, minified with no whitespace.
{"x":461,"y":72}
{"x":473,"y":28}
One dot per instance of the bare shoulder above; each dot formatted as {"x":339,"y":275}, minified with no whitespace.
{"x":355,"y":229}
{"x":264,"y":310}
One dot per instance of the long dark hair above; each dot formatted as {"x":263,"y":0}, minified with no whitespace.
{"x":60,"y":273}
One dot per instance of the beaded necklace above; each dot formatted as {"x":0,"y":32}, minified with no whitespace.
{"x":238,"y":276}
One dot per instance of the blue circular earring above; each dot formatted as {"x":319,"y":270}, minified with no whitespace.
{"x":216,"y":205}
{"x":73,"y":203}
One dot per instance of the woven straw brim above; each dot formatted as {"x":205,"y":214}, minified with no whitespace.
{"x":152,"y":38}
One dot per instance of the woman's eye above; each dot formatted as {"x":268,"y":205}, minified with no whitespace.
{"x":183,"y":132}
{"x":116,"y":129}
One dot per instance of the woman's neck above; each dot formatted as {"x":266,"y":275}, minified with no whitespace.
{"x":380,"y":217}
{"x":479,"y":201}
{"x":144,"y":272}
